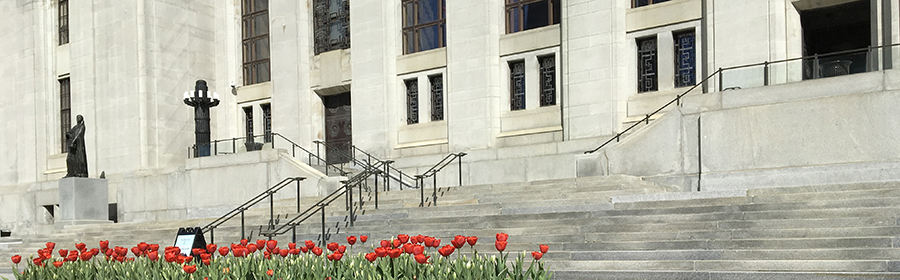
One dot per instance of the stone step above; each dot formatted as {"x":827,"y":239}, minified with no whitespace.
{"x":766,"y":254}
{"x":715,"y":265}
{"x":718,"y":275}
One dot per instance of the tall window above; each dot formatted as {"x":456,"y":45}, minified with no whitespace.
{"x":423,"y":25}
{"x":412,"y":101}
{"x":528,"y":14}
{"x":267,"y":122}
{"x":332,"y":25}
{"x":517,"y":85}
{"x":63,"y":22}
{"x":548,"y":80}
{"x":65,"y":111}
{"x":641,"y":3}
{"x":248,"y":123}
{"x":685,"y":59}
{"x":647,"y":75}
{"x":437,"y":97}
{"x":255,"y":30}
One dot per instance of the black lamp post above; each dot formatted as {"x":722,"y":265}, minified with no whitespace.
{"x":201,"y":100}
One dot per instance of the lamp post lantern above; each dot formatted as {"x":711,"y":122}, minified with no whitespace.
{"x":201,"y":99}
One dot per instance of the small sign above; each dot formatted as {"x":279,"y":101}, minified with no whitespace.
{"x":188,"y":239}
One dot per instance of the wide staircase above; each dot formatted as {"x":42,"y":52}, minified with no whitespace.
{"x":818,"y":232}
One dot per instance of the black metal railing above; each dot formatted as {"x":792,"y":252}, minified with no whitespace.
{"x":367,"y":161}
{"x":240,"y":210}
{"x":271,"y":140}
{"x":761,"y":74}
{"x":432,"y":172}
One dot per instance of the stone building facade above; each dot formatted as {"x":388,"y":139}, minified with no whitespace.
{"x":523,"y":87}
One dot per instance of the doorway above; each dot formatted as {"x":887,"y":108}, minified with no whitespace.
{"x":338,"y":128}
{"x":838,"y":28}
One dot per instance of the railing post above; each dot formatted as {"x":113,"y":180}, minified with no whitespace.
{"x":319,"y":156}
{"x":298,"y":196}
{"x":242,"y":224}
{"x":347,"y":195}
{"x":271,"y":212}
{"x":350,"y":191}
{"x":216,"y":147}
{"x":376,"y":190}
{"x":360,"y":194}
{"x":816,"y":66}
{"x":434,"y":189}
{"x":212,"y":235}
{"x":720,"y":79}
{"x":387,"y":176}
{"x":294,"y":233}
{"x":766,"y":73}
{"x":234,"y":145}
{"x":459,"y":162}
{"x":421,"y":191}
{"x":322,"y":209}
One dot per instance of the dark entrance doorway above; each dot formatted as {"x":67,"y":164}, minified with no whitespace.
{"x":338,"y":129}
{"x":837,"y":28}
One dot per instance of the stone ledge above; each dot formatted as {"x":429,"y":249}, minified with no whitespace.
{"x":678,"y":196}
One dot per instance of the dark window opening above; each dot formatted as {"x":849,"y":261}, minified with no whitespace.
{"x":517,"y":85}
{"x":65,"y":111}
{"x":114,"y":212}
{"x":685,"y":59}
{"x":548,"y":80}
{"x":267,"y":122}
{"x":837,"y":28}
{"x":437,"y":97}
{"x":50,"y":210}
{"x":528,"y":14}
{"x":647,"y":72}
{"x":255,"y":43}
{"x":248,"y":123}
{"x":412,"y":101}
{"x":332,"y":19}
{"x":63,"y":22}
{"x":641,"y":3}
{"x":423,"y":25}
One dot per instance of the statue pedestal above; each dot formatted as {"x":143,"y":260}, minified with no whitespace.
{"x":83,"y":201}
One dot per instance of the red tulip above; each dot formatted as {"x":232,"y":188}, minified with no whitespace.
{"x":544,"y":248}
{"x":211,"y":248}
{"x":63,"y":253}
{"x":57,"y":264}
{"x":143,"y":246}
{"x":79,"y":246}
{"x":428,"y":240}
{"x":333,"y":246}
{"x":188,"y":259}
{"x":317,"y":251}
{"x":154,"y":247}
{"x":408,"y":248}
{"x":371,"y":257}
{"x":385,"y":244}
{"x":205,"y":256}
{"x":244,"y":242}
{"x":310,"y":244}
{"x":403,"y":238}
{"x":336,"y":256}
{"x":422,"y":259}
{"x":351,"y":240}
{"x":270,"y":272}
{"x":502,"y":236}
{"x":284,"y":253}
{"x":170,"y":257}
{"x":50,"y":245}
{"x":363,"y":238}
{"x":458,"y":241}
{"x":292,"y":246}
{"x":16,"y":259}
{"x":436,"y":243}
{"x":252,"y":248}
{"x":396,"y":243}
{"x":38,"y":261}
{"x":381,"y":251}
{"x":394,"y":253}
{"x":342,"y":249}
{"x":153,"y":256}
{"x":223,"y":251}
{"x":304,"y":249}
{"x":500,"y":245}
{"x":108,"y":252}
{"x":418,"y":249}
{"x":271,"y":244}
{"x":136,"y":251}
{"x":205,"y":262}
{"x":104,"y":244}
{"x":72,"y":258}
{"x":537,"y":255}
{"x":472,"y":240}
{"x":446,"y":250}
{"x":190,"y":268}
{"x":295,"y":251}
{"x":94,"y":251}
{"x":260,"y":244}
{"x":420,"y":238}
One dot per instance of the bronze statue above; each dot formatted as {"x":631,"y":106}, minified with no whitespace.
{"x":76,"y":160}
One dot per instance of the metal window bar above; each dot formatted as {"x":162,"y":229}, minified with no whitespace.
{"x":517,"y":85}
{"x":437,"y":97}
{"x":412,"y":101}
{"x":548,"y":80}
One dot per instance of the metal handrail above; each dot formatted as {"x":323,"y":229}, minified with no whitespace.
{"x":367,"y":164}
{"x":432,"y":172}
{"x":646,"y":118}
{"x":250,"y":203}
{"x":810,"y":56}
{"x":270,"y":137}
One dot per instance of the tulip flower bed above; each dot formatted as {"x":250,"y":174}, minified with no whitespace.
{"x":403,"y":257}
